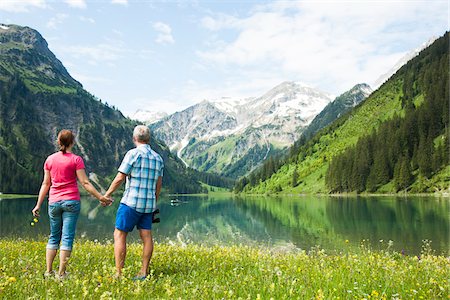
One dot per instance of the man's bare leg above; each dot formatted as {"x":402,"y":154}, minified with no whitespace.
{"x":147,"y":251}
{"x":120,"y":250}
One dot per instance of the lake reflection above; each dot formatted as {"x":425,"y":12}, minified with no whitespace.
{"x":301,"y":222}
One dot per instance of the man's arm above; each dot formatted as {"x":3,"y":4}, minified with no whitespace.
{"x":120,"y":177}
{"x":158,"y":187}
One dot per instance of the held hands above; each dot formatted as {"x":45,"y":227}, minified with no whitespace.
{"x":106,"y":200}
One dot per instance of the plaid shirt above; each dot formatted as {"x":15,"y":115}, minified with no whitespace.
{"x":143,"y":167}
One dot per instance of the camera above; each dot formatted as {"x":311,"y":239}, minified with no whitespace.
{"x":155,"y":219}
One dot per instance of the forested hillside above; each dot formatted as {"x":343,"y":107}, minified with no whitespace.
{"x":413,"y":145}
{"x":396,"y":139}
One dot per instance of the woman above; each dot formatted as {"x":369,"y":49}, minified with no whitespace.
{"x":61,"y":171}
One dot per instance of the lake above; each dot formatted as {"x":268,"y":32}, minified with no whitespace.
{"x":332,"y":223}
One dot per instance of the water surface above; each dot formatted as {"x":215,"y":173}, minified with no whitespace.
{"x":332,"y":223}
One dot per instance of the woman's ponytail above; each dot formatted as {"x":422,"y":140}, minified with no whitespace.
{"x":65,"y":139}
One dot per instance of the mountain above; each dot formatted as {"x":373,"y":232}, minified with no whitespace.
{"x":395,"y":140}
{"x":338,"y":107}
{"x":401,"y":62}
{"x":233,"y":136}
{"x":148,"y":117}
{"x":38,"y":97}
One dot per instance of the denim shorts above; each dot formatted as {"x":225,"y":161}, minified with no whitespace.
{"x":63,"y":221}
{"x":128,"y":217}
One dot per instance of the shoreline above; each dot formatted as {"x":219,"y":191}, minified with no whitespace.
{"x":231,"y":194}
{"x":351,"y":195}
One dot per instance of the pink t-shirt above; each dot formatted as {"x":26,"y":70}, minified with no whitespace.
{"x":63,"y":168}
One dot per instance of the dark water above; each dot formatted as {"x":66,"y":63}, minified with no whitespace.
{"x":300,"y":222}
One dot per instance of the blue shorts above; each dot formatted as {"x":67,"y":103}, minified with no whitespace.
{"x":128,"y":217}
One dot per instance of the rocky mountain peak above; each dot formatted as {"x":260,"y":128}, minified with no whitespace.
{"x":23,"y":35}
{"x":363,"y":88}
{"x":24,"y":49}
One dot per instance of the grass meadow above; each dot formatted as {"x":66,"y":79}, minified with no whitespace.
{"x":232,"y":272}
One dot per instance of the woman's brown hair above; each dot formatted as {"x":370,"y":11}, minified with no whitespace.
{"x":65,"y":139}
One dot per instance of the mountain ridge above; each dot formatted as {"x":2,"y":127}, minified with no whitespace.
{"x":337,"y":107}
{"x":402,"y":61}
{"x":217,"y":135}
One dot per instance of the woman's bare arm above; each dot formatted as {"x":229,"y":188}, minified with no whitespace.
{"x":87,"y":185}
{"x":43,"y":191}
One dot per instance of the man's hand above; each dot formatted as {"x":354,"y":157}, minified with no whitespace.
{"x":106,"y":200}
{"x":35,"y":211}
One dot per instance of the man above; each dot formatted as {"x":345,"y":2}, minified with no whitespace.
{"x":143,"y":170}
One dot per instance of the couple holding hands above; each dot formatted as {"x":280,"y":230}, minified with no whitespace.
{"x":141,"y":168}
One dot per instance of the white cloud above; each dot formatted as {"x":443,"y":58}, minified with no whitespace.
{"x":76,"y":3}
{"x":87,"y":79}
{"x":106,"y":53}
{"x":258,"y":83}
{"x":333,"y":45}
{"x":164,"y":33}
{"x":122,"y":2}
{"x":118,"y":33}
{"x":21,"y":5}
{"x":56,"y":20}
{"x":145,"y":103}
{"x":146,"y":54}
{"x":87,"y":19}
{"x":194,"y":91}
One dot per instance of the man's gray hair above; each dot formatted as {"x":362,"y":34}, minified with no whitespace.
{"x":141,"y":133}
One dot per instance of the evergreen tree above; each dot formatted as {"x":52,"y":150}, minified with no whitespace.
{"x":424,"y":156}
{"x":381,"y":167}
{"x":295,"y":177}
{"x":402,"y":174}
{"x":372,"y":181}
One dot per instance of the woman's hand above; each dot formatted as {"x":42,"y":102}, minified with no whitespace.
{"x":35,"y":211}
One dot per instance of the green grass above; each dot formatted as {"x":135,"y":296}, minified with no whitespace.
{"x":13,"y":45}
{"x":15,"y":196}
{"x":222,"y":151}
{"x":439,"y":183}
{"x":238,"y":272}
{"x":37,"y":87}
{"x":215,"y":189}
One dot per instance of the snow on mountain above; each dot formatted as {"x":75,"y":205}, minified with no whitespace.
{"x":233,"y":127}
{"x":401,"y":62}
{"x":286,"y":101}
{"x":148,"y":117}
{"x":287,"y":106}
{"x":197,"y":121}
{"x":230,"y":105}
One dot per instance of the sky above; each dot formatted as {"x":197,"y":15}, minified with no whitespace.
{"x":167,"y":55}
